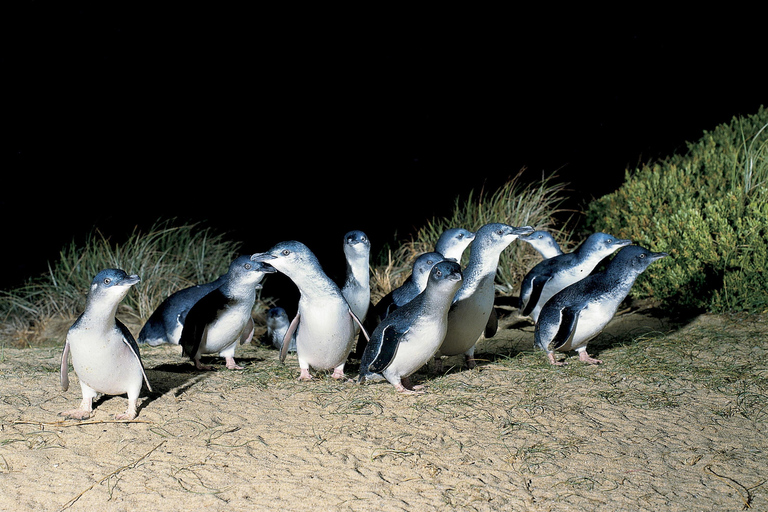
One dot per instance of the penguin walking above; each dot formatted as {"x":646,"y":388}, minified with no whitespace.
{"x":217,"y":321}
{"x":167,"y":321}
{"x":473,"y":303}
{"x":325,"y":325}
{"x":277,"y":325}
{"x":408,"y":338}
{"x":553,"y":274}
{"x":579,"y":312}
{"x":357,"y":286}
{"x":105,"y":355}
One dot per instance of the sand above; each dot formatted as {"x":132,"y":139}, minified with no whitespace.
{"x":675,"y":419}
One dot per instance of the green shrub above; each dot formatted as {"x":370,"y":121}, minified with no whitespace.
{"x":708,"y":208}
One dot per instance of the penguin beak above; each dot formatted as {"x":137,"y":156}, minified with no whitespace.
{"x":623,"y":243}
{"x":658,"y":255}
{"x":130,"y":280}
{"x":524,"y":230}
{"x":264,"y":267}
{"x":262,"y":257}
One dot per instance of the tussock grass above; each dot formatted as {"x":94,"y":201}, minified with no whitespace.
{"x":516,"y":203}
{"x":167,"y":257}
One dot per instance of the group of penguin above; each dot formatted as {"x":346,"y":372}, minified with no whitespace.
{"x":440,"y":310}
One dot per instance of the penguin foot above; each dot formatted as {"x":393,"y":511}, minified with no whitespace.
{"x":586,"y":358}
{"x":338,"y":375}
{"x":553,"y":361}
{"x":470,"y":360}
{"x":305,"y":375}
{"x":232,"y":365}
{"x":76,"y":414}
{"x":127,"y":415}
{"x":405,"y":391}
{"x":406,"y":387}
{"x":201,"y":366}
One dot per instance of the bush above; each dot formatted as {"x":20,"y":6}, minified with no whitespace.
{"x":708,"y":209}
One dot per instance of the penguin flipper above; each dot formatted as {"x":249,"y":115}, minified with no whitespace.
{"x":492,"y":325}
{"x":390,"y":340}
{"x":537,"y":285}
{"x":131,"y":342}
{"x":65,"y":367}
{"x":287,"y":337}
{"x":247,"y":334}
{"x":569,"y":319}
{"x":360,"y":324}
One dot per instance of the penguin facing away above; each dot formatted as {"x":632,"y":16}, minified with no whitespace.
{"x":324,"y":324}
{"x":579,"y":312}
{"x":218,"y":320}
{"x":105,"y":355}
{"x":473,"y":303}
{"x":452,"y":242}
{"x":409,"y":337}
{"x":553,"y":274}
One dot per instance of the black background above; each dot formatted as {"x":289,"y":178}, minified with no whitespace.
{"x":306,"y":124}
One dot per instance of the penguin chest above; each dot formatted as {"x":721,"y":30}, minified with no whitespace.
{"x":592,"y":320}
{"x":325,"y":335}
{"x":467,"y":319}
{"x":105,"y":362}
{"x":224,"y":331}
{"x":418,"y":345}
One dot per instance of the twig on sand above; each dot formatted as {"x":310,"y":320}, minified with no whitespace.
{"x":730,"y":481}
{"x":115,"y":472}
{"x":65,"y":423}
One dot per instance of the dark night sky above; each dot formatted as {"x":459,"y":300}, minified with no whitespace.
{"x":122,"y":115}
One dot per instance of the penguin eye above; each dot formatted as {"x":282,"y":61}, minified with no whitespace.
{"x":438,"y":273}
{"x":461,"y":235}
{"x":286,"y":252}
{"x":609,"y":241}
{"x":642,"y":256}
{"x":499,"y":232}
{"x":248,"y":266}
{"x":107,"y":280}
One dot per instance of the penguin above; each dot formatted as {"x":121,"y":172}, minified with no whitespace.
{"x":357,"y":287}
{"x":105,"y":356}
{"x":408,"y":338}
{"x":473,"y":303}
{"x":544,"y":243}
{"x":413,"y":285}
{"x":217,"y":321}
{"x":553,"y":274}
{"x":325,"y":325}
{"x":277,"y":325}
{"x":579,"y":312}
{"x":165,"y":324}
{"x":452,"y":243}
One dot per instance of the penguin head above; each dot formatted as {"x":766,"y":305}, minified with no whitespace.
{"x":113,"y":282}
{"x":452,"y":242}
{"x":276,"y":317}
{"x":288,"y":256}
{"x":425,"y":262}
{"x":635,"y":259}
{"x":357,"y":242}
{"x":446,"y":272}
{"x":244,"y":270}
{"x":498,"y":234}
{"x":603,"y":243}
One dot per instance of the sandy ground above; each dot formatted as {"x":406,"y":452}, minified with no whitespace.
{"x":675,"y":419}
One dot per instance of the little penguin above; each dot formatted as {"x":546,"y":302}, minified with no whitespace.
{"x":105,"y":355}
{"x":452,"y":243}
{"x":277,"y":325}
{"x":553,"y":274}
{"x":217,"y":321}
{"x":473,"y":303}
{"x":544,"y":243}
{"x":408,"y":338}
{"x":165,"y":324}
{"x":579,"y":312}
{"x":357,"y":287}
{"x":324,"y":324}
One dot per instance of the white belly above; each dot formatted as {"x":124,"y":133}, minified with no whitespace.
{"x":418,"y":347}
{"x":325,"y":335}
{"x":107,"y":366}
{"x":224,"y":333}
{"x":592,"y":321}
{"x":466,"y":322}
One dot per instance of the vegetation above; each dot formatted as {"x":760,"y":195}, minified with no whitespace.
{"x":515,"y":203}
{"x":708,"y":208}
{"x":167,"y":258}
